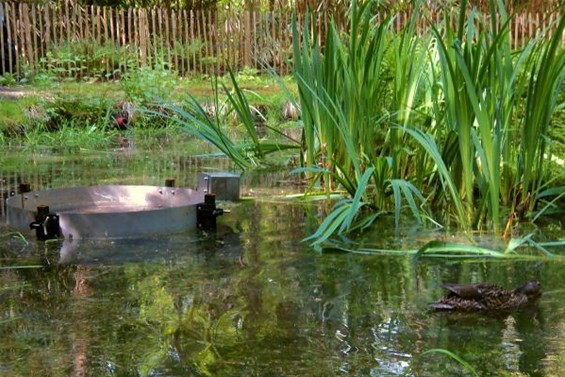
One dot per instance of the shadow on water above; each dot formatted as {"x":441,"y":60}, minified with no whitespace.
{"x":252,"y":299}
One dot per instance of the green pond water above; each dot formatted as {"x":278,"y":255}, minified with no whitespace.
{"x":250,"y":299}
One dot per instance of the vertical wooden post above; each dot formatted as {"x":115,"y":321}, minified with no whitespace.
{"x":286,"y":40}
{"x":50,"y":35}
{"x":117,"y":71}
{"x":210,"y":26}
{"x":256,"y":51}
{"x":160,"y":34}
{"x":28,"y":46}
{"x":142,"y":37}
{"x":98,"y":32}
{"x":105,"y":39}
{"x":173,"y":41}
{"x":202,"y":23}
{"x":88,"y":49}
{"x":207,"y":46}
{"x":530,"y":23}
{"x":272,"y":44}
{"x":192,"y":41}
{"x":176,"y":44}
{"x":198,"y":35}
{"x":187,"y":40}
{"x":247,"y":39}
{"x":37,"y":47}
{"x":3,"y":66}
{"x":538,"y":23}
{"x":136,"y":38}
{"x":513,"y":32}
{"x":66,"y":36}
{"x":92,"y":21}
{"x":130,"y":35}
{"x":14,"y":59}
{"x":282,"y":38}
{"x":225,"y":37}
{"x":168,"y":37}
{"x":110,"y":37}
{"x":154,"y":36}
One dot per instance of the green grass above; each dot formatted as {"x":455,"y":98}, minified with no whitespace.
{"x":16,"y":113}
{"x":228,"y":104}
{"x":468,"y":367}
{"x":48,"y":87}
{"x":80,"y":115}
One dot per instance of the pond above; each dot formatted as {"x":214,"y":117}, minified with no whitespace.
{"x":250,"y":299}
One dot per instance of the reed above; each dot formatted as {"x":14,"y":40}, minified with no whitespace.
{"x":543,"y":82}
{"x":245,"y":149}
{"x":468,"y":367}
{"x":477,"y":77}
{"x":396,"y":121}
{"x":452,"y":134}
{"x":498,"y":163}
{"x":348,"y":138}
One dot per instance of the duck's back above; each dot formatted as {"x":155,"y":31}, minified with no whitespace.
{"x":481,"y":297}
{"x":474,"y":291}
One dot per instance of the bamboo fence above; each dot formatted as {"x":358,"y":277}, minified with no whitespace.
{"x":104,"y":42}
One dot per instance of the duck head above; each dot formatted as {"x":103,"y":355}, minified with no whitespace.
{"x":530,"y":289}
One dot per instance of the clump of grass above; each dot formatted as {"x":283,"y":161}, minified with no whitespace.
{"x":70,"y":137}
{"x":524,"y":247}
{"x":349,"y":136}
{"x":17,"y":114}
{"x":212,"y":123}
{"x":448,"y":138}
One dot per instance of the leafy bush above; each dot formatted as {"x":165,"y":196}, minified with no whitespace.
{"x":88,"y":59}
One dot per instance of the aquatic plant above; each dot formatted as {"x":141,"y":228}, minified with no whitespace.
{"x":399,"y":121}
{"x":482,"y":82}
{"x":214,"y":126}
{"x":458,"y":96}
{"x":17,"y":235}
{"x":445,"y":125}
{"x":453,"y":356}
{"x":348,"y":138}
{"x":524,"y":247}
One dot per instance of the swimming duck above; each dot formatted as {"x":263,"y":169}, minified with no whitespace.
{"x":486,"y":297}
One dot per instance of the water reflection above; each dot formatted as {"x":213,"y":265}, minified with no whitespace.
{"x":252,"y":299}
{"x":249,"y":300}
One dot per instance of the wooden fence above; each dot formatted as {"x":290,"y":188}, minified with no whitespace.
{"x":104,"y":42}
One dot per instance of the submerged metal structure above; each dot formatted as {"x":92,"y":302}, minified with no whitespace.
{"x":120,"y":211}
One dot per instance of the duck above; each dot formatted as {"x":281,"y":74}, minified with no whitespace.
{"x":483,"y":297}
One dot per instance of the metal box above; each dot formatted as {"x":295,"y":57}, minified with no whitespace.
{"x":224,"y":185}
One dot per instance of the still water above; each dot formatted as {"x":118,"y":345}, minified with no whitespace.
{"x":250,"y":299}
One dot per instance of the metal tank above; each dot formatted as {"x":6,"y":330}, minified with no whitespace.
{"x":120,"y":211}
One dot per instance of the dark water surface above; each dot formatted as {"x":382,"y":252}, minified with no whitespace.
{"x":250,"y":299}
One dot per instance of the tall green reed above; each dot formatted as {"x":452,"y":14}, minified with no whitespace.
{"x":245,"y":149}
{"x":346,"y":109}
{"x":341,"y":96}
{"x":479,"y":98}
{"x":544,"y":76}
{"x":457,"y":96}
{"x":404,"y":121}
